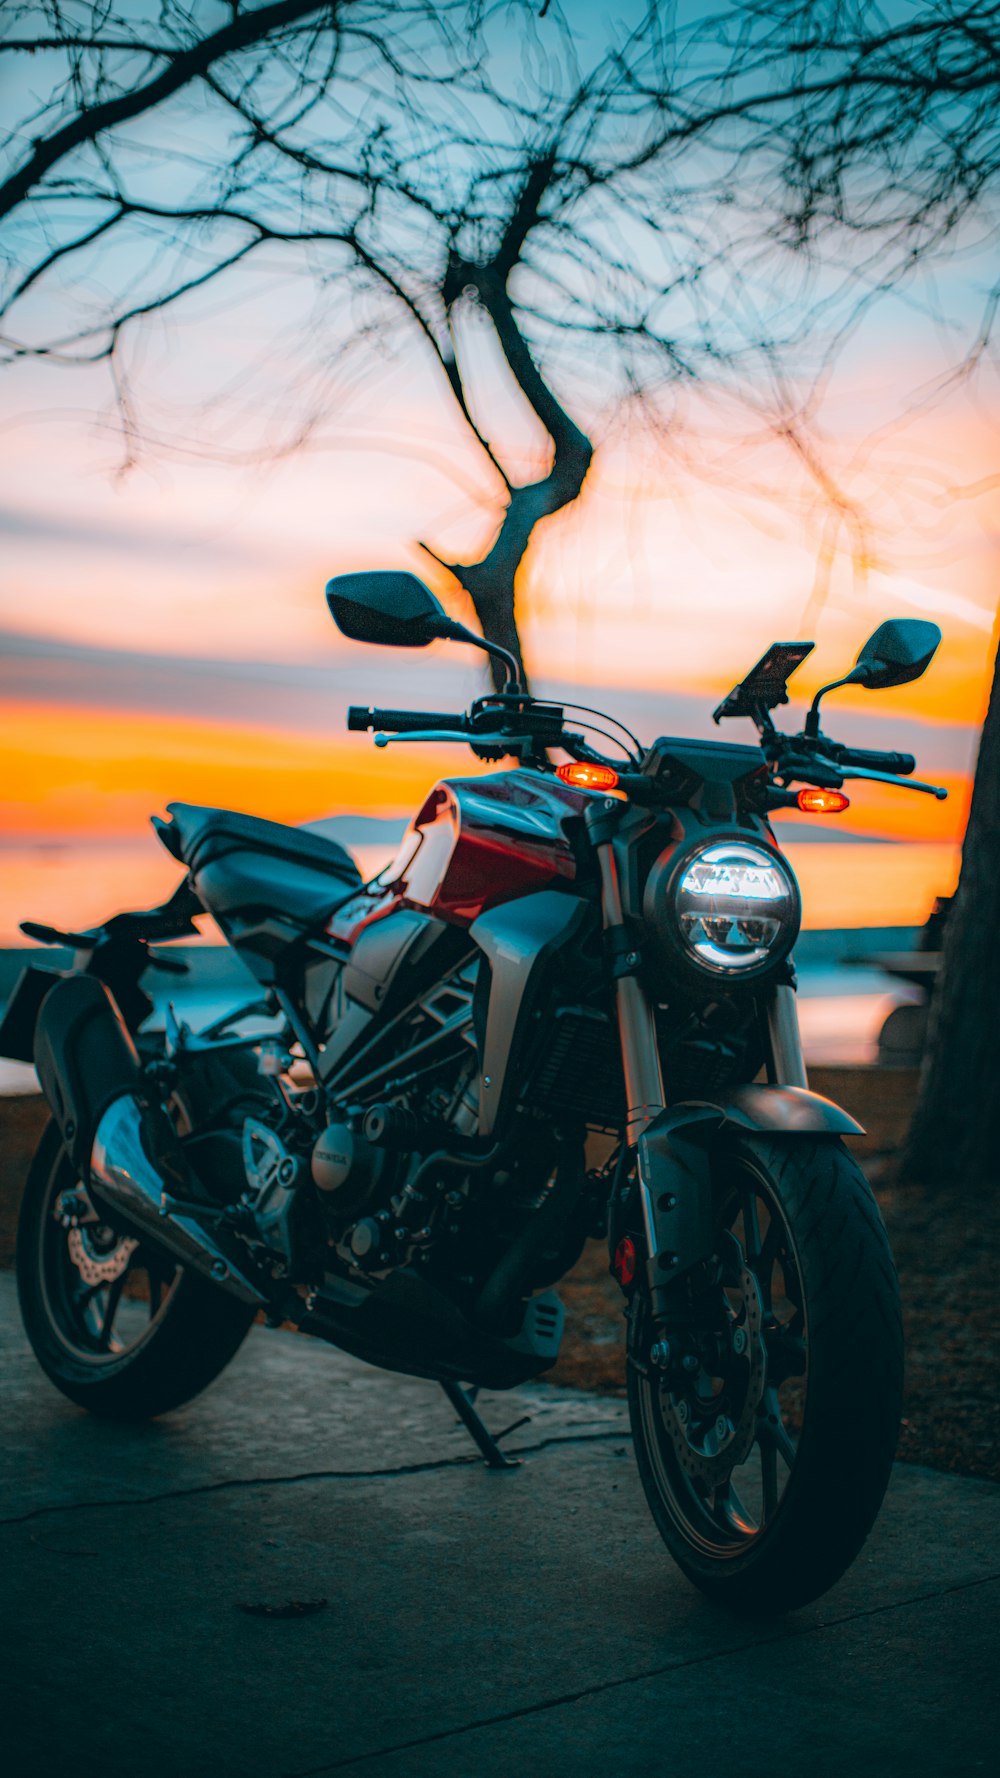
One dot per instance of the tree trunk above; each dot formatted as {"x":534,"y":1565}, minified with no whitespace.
{"x":956,"y":1129}
{"x":491,"y":582}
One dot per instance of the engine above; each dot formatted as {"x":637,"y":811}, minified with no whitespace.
{"x":371,"y":1180}
{"x":385,"y":1169}
{"x":382,"y":1172}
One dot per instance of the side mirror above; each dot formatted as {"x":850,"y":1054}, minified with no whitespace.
{"x":398,"y":609}
{"x":391,"y":608}
{"x":899,"y":651}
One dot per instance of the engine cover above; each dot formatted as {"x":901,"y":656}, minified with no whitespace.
{"x":345,"y":1168}
{"x":273,"y":1178}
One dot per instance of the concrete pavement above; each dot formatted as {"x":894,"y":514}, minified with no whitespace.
{"x":475,"y":1624}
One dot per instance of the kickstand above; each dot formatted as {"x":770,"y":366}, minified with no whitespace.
{"x":477,"y":1428}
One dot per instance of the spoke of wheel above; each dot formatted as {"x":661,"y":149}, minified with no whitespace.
{"x":114,"y":1297}
{"x":772,"y":1431}
{"x":762,"y":1262}
{"x":797,"y":1326}
{"x":729,"y":1511}
{"x":751,"y":1228}
{"x":769,"y":1249}
{"x":84,"y":1295}
{"x":717,"y":1504}
{"x":83,"y":1302}
{"x":155,"y":1277}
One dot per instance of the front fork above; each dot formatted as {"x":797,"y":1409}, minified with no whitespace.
{"x":645,"y":1097}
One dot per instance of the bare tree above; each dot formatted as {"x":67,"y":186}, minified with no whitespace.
{"x":692,"y":198}
{"x":898,"y":147}
{"x":424,"y":163}
{"x":955,"y":1134}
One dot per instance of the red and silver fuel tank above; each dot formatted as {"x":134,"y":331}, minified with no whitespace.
{"x":474,"y":843}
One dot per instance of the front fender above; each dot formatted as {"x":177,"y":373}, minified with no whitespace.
{"x":675,"y":1172}
{"x":794,"y":1110}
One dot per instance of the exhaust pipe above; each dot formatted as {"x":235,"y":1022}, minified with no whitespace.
{"x":511,"y":1277}
{"x":120,"y":1139}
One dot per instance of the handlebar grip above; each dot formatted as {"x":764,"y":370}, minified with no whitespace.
{"x":403,"y":722}
{"x":902,"y":764}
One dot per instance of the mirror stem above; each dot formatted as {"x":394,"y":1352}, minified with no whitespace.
{"x":856,"y":676}
{"x":455,"y":632}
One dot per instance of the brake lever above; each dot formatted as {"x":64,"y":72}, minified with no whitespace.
{"x":828,"y":775}
{"x":935,"y":790}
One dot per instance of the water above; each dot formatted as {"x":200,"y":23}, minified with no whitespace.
{"x":841,"y":1007}
{"x":861,"y":884}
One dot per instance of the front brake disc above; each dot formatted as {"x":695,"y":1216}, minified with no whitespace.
{"x":710,"y":1439}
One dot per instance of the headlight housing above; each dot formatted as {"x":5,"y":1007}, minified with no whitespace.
{"x":725,"y":907}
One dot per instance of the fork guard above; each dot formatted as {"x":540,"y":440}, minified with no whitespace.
{"x":675,"y":1168}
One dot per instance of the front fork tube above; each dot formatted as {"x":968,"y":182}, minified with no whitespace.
{"x":788,"y":1067}
{"x":644,"y":1090}
{"x":644,"y":1094}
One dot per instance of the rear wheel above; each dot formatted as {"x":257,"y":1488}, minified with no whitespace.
{"x":113,"y":1322}
{"x":765,"y":1464}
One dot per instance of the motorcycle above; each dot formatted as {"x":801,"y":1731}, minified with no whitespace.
{"x":566,"y":1010}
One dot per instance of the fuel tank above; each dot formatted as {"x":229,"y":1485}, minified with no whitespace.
{"x":476,"y":842}
{"x":481,"y":841}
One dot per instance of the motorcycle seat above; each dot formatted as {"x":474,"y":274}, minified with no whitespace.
{"x":240,"y":862}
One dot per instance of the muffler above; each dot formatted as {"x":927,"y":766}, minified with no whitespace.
{"x":120,"y":1139}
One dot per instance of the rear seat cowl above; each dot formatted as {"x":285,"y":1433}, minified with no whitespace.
{"x":199,"y":836}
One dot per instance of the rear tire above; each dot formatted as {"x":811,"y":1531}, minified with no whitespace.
{"x":96,"y":1339}
{"x":777,"y":1526}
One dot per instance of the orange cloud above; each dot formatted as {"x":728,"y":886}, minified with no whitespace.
{"x":70,"y":771}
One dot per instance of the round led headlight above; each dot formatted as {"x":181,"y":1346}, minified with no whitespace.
{"x":726,"y":907}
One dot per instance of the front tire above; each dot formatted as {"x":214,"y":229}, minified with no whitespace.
{"x":765,"y":1470}
{"x":116,"y":1326}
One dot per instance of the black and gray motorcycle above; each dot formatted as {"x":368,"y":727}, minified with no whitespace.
{"x":565,"y":1010}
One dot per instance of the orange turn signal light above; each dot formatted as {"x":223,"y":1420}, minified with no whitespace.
{"x":823,"y":802}
{"x":587,"y":777}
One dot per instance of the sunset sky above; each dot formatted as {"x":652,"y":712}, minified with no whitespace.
{"x":165,"y":635}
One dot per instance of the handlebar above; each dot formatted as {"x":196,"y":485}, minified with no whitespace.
{"x":495,"y":720}
{"x":405,"y":722}
{"x":901,"y":764}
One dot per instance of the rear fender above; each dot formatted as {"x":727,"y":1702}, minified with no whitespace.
{"x":116,"y":954}
{"x":17,"y":1027}
{"x":85,"y":1060}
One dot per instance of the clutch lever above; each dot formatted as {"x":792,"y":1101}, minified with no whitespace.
{"x":430,"y":734}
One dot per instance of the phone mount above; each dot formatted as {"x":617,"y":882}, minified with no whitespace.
{"x":765,"y":686}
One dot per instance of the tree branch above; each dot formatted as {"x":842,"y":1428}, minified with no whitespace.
{"x":244,"y":28}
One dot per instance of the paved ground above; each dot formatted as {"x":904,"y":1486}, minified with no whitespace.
{"x":476,"y":1624}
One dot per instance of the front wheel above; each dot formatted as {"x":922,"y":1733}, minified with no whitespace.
{"x":765,"y":1461}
